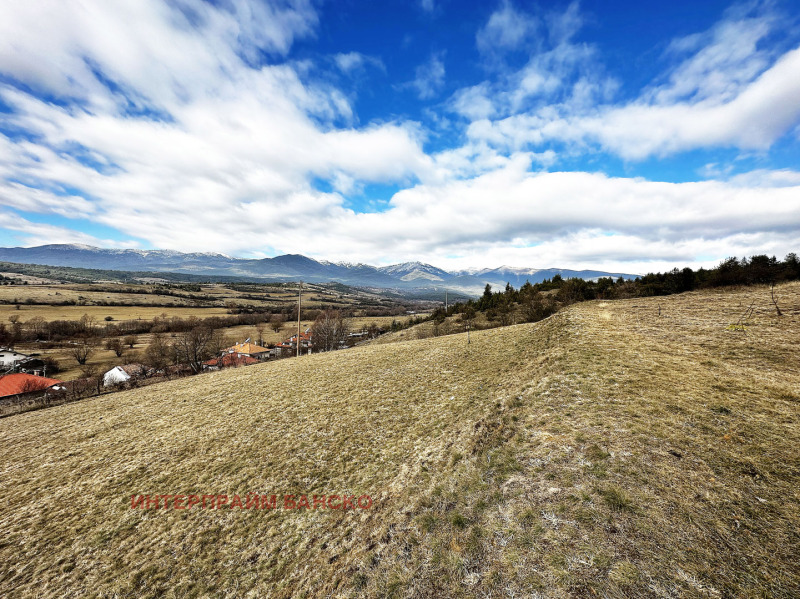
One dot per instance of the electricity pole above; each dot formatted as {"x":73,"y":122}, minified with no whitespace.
{"x":299,"y":295}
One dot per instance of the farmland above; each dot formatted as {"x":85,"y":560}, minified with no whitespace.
{"x":631,"y":448}
{"x":111,"y":304}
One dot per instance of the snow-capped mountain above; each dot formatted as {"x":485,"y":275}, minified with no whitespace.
{"x":289,"y":267}
{"x":411,"y":271}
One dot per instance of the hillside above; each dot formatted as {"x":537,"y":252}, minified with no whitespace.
{"x":637,"y":448}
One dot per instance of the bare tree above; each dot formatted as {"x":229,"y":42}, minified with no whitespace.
{"x":35,"y":385}
{"x":196,"y":346}
{"x":130,"y":340}
{"x":260,"y":333}
{"x":775,"y":301}
{"x":373,"y":330}
{"x":115,"y":344}
{"x":157,"y":354}
{"x":276,"y":322}
{"x":329,"y":330}
{"x":93,"y":382}
{"x":82,"y":350}
{"x":37,"y":326}
{"x":468,"y":318}
{"x":88,"y":325}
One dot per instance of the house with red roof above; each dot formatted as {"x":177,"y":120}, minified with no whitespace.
{"x":21,"y":384}
{"x":249,"y":349}
{"x":229,"y":361}
{"x":289,"y":346}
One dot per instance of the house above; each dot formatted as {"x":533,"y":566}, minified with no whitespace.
{"x":229,"y":361}
{"x":123,"y":374}
{"x":10,"y":358}
{"x":32,"y":365}
{"x":289,"y":346}
{"x":21,"y":384}
{"x":249,"y":349}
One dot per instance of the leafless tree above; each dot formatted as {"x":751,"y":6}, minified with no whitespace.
{"x":115,"y":344}
{"x":260,"y":333}
{"x":196,"y":346}
{"x":329,"y":330}
{"x":775,"y":301}
{"x":130,"y":340}
{"x":82,"y":350}
{"x":88,"y":325}
{"x":92,"y":381}
{"x":37,"y":326}
{"x":157,"y":354}
{"x":276,"y":322}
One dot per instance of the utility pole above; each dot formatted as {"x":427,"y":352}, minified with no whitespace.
{"x":299,"y":295}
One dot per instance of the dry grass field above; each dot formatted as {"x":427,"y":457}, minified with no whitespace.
{"x":118,"y":313}
{"x":639,"y":448}
{"x":211,"y":300}
{"x":139,"y":306}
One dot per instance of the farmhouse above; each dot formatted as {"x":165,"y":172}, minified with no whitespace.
{"x":249,"y":349}
{"x":33,"y":365}
{"x":21,"y":384}
{"x":289,"y":346}
{"x":10,"y":358}
{"x":229,"y":361}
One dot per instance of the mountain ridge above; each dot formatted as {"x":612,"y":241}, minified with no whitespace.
{"x":289,"y":267}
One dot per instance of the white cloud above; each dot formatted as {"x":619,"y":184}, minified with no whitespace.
{"x":473,"y":102}
{"x":34,"y":234}
{"x":193,"y":147}
{"x":725,"y":91}
{"x":506,"y":29}
{"x":429,"y":79}
{"x":350,"y":62}
{"x":220,"y":143}
{"x":754,"y":119}
{"x":720,"y":61}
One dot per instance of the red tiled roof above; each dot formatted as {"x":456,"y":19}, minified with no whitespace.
{"x":247,"y":348}
{"x":13,"y":384}
{"x":229,"y":360}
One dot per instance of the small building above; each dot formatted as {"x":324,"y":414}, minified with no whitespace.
{"x":122,"y":374}
{"x":229,"y":361}
{"x":249,"y":349}
{"x":289,"y":346}
{"x":23,"y":384}
{"x":10,"y":358}
{"x":32,"y":365}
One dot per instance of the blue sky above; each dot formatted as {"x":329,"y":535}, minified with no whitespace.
{"x":623,"y":135}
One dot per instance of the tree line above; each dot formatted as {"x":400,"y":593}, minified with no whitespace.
{"x":533,"y":303}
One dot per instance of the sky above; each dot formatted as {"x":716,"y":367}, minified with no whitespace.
{"x":621,"y":135}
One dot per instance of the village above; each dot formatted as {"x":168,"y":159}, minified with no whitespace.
{"x":25,"y":384}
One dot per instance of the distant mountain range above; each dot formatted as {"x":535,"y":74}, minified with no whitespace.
{"x":290,"y":267}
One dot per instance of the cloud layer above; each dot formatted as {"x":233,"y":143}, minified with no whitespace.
{"x":191,"y":126}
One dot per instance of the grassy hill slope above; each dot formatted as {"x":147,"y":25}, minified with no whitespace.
{"x":609,"y":450}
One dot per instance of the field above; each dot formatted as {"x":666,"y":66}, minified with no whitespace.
{"x":146,"y":301}
{"x":638,"y":448}
{"x":41,"y":300}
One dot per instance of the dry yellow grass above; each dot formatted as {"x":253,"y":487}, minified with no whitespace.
{"x":49,"y":313}
{"x":606,"y":451}
{"x":138,"y":303}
